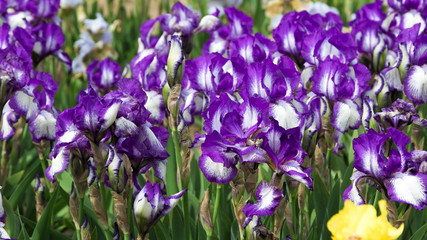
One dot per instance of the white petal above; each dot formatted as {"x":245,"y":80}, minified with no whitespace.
{"x":153,"y":104}
{"x":346,"y":115}
{"x":285,"y":114}
{"x":416,"y":83}
{"x":110,"y":115}
{"x":6,"y":128}
{"x":408,"y":188}
{"x":59,"y":163}
{"x":141,"y":207}
{"x":44,"y":125}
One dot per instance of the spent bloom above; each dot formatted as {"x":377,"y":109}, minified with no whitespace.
{"x":361,"y":222}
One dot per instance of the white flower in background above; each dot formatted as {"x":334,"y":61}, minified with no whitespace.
{"x":97,"y":36}
{"x":97,"y":25}
{"x":69,"y":4}
{"x":320,"y":8}
{"x":213,"y":5}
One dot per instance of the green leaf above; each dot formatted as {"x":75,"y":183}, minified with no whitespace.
{"x":42,"y":229}
{"x":24,"y":233}
{"x":31,"y":224}
{"x":65,"y":180}
{"x":161,"y":231}
{"x":12,"y":221}
{"x":171,"y":168}
{"x":320,"y":198}
{"x":22,"y":187}
{"x":420,"y":233}
{"x":178,"y":228}
{"x":15,"y":178}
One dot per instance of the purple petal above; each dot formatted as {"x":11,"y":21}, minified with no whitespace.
{"x":240,"y":23}
{"x":66,"y":130}
{"x":149,"y":70}
{"x":268,"y":197}
{"x":294,"y":170}
{"x":147,"y":145}
{"x":49,"y":38}
{"x":145,"y":30}
{"x":287,"y":35}
{"x":403,"y":6}
{"x":4,"y":35}
{"x":171,"y":201}
{"x":181,"y":19}
{"x":63,"y":57}
{"x":367,"y":157}
{"x":103,"y":74}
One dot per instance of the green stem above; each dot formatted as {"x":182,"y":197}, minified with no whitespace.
{"x":81,"y":216}
{"x":127,"y":236}
{"x":4,"y":163}
{"x":216,"y":206}
{"x":186,"y":217}
{"x":177,"y":150}
{"x":108,"y":235}
{"x":79,"y":234}
{"x":104,"y":198}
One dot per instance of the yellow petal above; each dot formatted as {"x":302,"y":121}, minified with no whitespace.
{"x":361,"y":222}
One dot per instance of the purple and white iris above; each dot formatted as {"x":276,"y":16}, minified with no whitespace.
{"x":103,"y":75}
{"x":382,"y":158}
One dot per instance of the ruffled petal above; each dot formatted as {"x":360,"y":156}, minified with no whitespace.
{"x":346,"y":115}
{"x":408,"y":188}
{"x":216,"y":171}
{"x":415,"y":84}
{"x":59,"y":163}
{"x":268,"y":197}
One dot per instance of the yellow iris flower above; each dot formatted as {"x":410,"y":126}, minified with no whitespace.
{"x":362,"y":223}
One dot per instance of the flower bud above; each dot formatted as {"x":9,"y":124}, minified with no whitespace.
{"x":39,"y":192}
{"x":74,"y":206}
{"x":86,"y":233}
{"x":117,"y":176}
{"x":175,"y":58}
{"x":150,"y":205}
